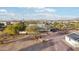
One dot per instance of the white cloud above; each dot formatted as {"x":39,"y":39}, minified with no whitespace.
{"x":45,"y":10}
{"x":50,"y":10}
{"x":39,"y":10}
{"x":9,"y":16}
{"x":3,"y":10}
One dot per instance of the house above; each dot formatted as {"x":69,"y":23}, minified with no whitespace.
{"x":2,"y":25}
{"x":42,"y":27}
{"x":14,"y":22}
{"x":5,"y":23}
{"x":73,"y":39}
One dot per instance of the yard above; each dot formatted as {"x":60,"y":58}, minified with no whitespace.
{"x":26,"y":43}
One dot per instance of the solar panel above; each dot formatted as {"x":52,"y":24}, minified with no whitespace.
{"x":74,"y":36}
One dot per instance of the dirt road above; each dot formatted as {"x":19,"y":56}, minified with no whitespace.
{"x":55,"y":43}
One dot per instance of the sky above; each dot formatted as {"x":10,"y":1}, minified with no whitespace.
{"x":53,"y":13}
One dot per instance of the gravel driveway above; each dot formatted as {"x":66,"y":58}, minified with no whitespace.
{"x":55,"y":43}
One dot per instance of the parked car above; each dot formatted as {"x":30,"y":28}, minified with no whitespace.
{"x":54,"y":30}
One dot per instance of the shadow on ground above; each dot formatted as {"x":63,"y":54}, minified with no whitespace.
{"x":38,"y":47}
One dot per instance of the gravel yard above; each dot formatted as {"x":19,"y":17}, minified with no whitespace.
{"x":55,"y":43}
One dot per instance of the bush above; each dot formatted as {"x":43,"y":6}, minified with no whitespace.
{"x":20,"y":26}
{"x":10,"y":29}
{"x":15,"y":28}
{"x":58,"y":25}
{"x":32,"y":29}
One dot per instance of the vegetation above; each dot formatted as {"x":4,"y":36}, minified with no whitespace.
{"x":20,"y":26}
{"x":10,"y":29}
{"x":63,"y":26}
{"x":32,"y":29}
{"x":58,"y":25}
{"x":15,"y":28}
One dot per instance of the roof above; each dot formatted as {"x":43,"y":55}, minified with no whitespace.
{"x":74,"y":36}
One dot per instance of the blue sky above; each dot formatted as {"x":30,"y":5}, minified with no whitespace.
{"x":38,"y":12}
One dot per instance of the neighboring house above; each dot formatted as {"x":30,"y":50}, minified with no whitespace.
{"x":14,"y":22}
{"x":42,"y":27}
{"x":32,"y":25}
{"x":5,"y":23}
{"x":2,"y":25}
{"x":9,"y":22}
{"x":73,"y":39}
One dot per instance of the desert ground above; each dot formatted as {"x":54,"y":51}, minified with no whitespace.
{"x":56,"y":42}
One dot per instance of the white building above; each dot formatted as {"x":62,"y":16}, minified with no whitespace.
{"x":73,"y":39}
{"x":39,"y":25}
{"x":14,"y":22}
{"x":5,"y":23}
{"x":42,"y":27}
{"x":22,"y":32}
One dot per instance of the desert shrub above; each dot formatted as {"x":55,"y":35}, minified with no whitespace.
{"x":14,"y":28}
{"x":10,"y":29}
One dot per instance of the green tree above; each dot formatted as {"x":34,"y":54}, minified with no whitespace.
{"x":58,"y":25}
{"x":10,"y":29}
{"x":32,"y":29}
{"x":20,"y":26}
{"x":13,"y":29}
{"x":70,"y":25}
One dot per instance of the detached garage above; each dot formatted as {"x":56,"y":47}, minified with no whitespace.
{"x":73,"y":39}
